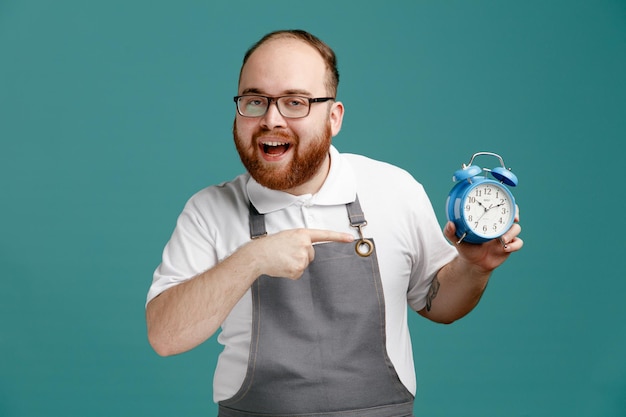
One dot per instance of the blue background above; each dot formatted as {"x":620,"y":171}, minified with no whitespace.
{"x":113,"y":113}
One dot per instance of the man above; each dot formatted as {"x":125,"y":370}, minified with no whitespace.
{"x":307,"y":262}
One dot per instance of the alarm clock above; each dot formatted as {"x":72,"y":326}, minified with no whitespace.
{"x":480,"y":204}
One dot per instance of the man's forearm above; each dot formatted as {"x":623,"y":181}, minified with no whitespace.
{"x":455,"y":291}
{"x":186,"y":315}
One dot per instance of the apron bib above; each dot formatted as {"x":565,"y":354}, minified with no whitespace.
{"x":318,"y":343}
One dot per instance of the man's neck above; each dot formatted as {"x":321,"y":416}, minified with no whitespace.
{"x":313,"y":185}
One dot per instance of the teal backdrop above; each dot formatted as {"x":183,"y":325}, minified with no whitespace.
{"x":113,"y":113}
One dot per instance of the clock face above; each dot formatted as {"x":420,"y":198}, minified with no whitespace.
{"x":488,"y":209}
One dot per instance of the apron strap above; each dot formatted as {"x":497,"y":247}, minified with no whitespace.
{"x":355,"y":213}
{"x":257,"y":223}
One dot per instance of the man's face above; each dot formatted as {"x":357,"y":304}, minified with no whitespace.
{"x":280,"y":153}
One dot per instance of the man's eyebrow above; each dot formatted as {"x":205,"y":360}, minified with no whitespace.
{"x":293,"y":92}
{"x":252,"y":91}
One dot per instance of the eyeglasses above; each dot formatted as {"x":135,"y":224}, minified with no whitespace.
{"x":291,"y":107}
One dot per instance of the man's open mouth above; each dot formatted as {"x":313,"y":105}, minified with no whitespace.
{"x":274,"y":148}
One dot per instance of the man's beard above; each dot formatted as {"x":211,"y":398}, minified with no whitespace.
{"x":305,"y":162}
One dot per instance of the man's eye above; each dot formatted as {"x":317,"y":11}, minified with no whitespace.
{"x":254,"y":102}
{"x":294,"y":102}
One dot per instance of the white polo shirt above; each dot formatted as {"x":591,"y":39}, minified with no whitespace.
{"x":410,"y":246}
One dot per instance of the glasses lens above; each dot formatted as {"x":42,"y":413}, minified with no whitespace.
{"x":252,"y":106}
{"x":293,"y":106}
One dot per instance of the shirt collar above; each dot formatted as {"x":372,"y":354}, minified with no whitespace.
{"x":338,"y":188}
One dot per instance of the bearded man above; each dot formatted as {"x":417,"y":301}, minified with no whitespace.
{"x":309,"y":261}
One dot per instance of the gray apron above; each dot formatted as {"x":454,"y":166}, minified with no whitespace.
{"x":318,"y":343}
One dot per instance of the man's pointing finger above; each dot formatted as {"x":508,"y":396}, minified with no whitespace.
{"x":318,"y":235}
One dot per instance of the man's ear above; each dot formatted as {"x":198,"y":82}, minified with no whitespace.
{"x":336,"y":117}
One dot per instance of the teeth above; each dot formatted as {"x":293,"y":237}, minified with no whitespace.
{"x":274,"y":143}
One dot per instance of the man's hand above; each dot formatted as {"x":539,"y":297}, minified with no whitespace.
{"x":288,"y":253}
{"x":458,"y":286}
{"x":487,"y":256}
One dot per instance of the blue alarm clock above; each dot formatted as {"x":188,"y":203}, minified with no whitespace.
{"x":482,"y":208}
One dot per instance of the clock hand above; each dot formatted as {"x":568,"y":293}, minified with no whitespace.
{"x":485,"y":212}
{"x":491,"y":206}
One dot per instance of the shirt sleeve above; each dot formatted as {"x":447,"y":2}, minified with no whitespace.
{"x":432,"y":250}
{"x":189,"y":251}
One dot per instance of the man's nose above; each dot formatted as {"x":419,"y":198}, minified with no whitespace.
{"x":272,"y":117}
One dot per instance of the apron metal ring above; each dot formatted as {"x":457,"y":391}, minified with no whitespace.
{"x":364,"y":247}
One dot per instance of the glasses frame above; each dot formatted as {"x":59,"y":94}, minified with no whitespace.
{"x":275,"y":100}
